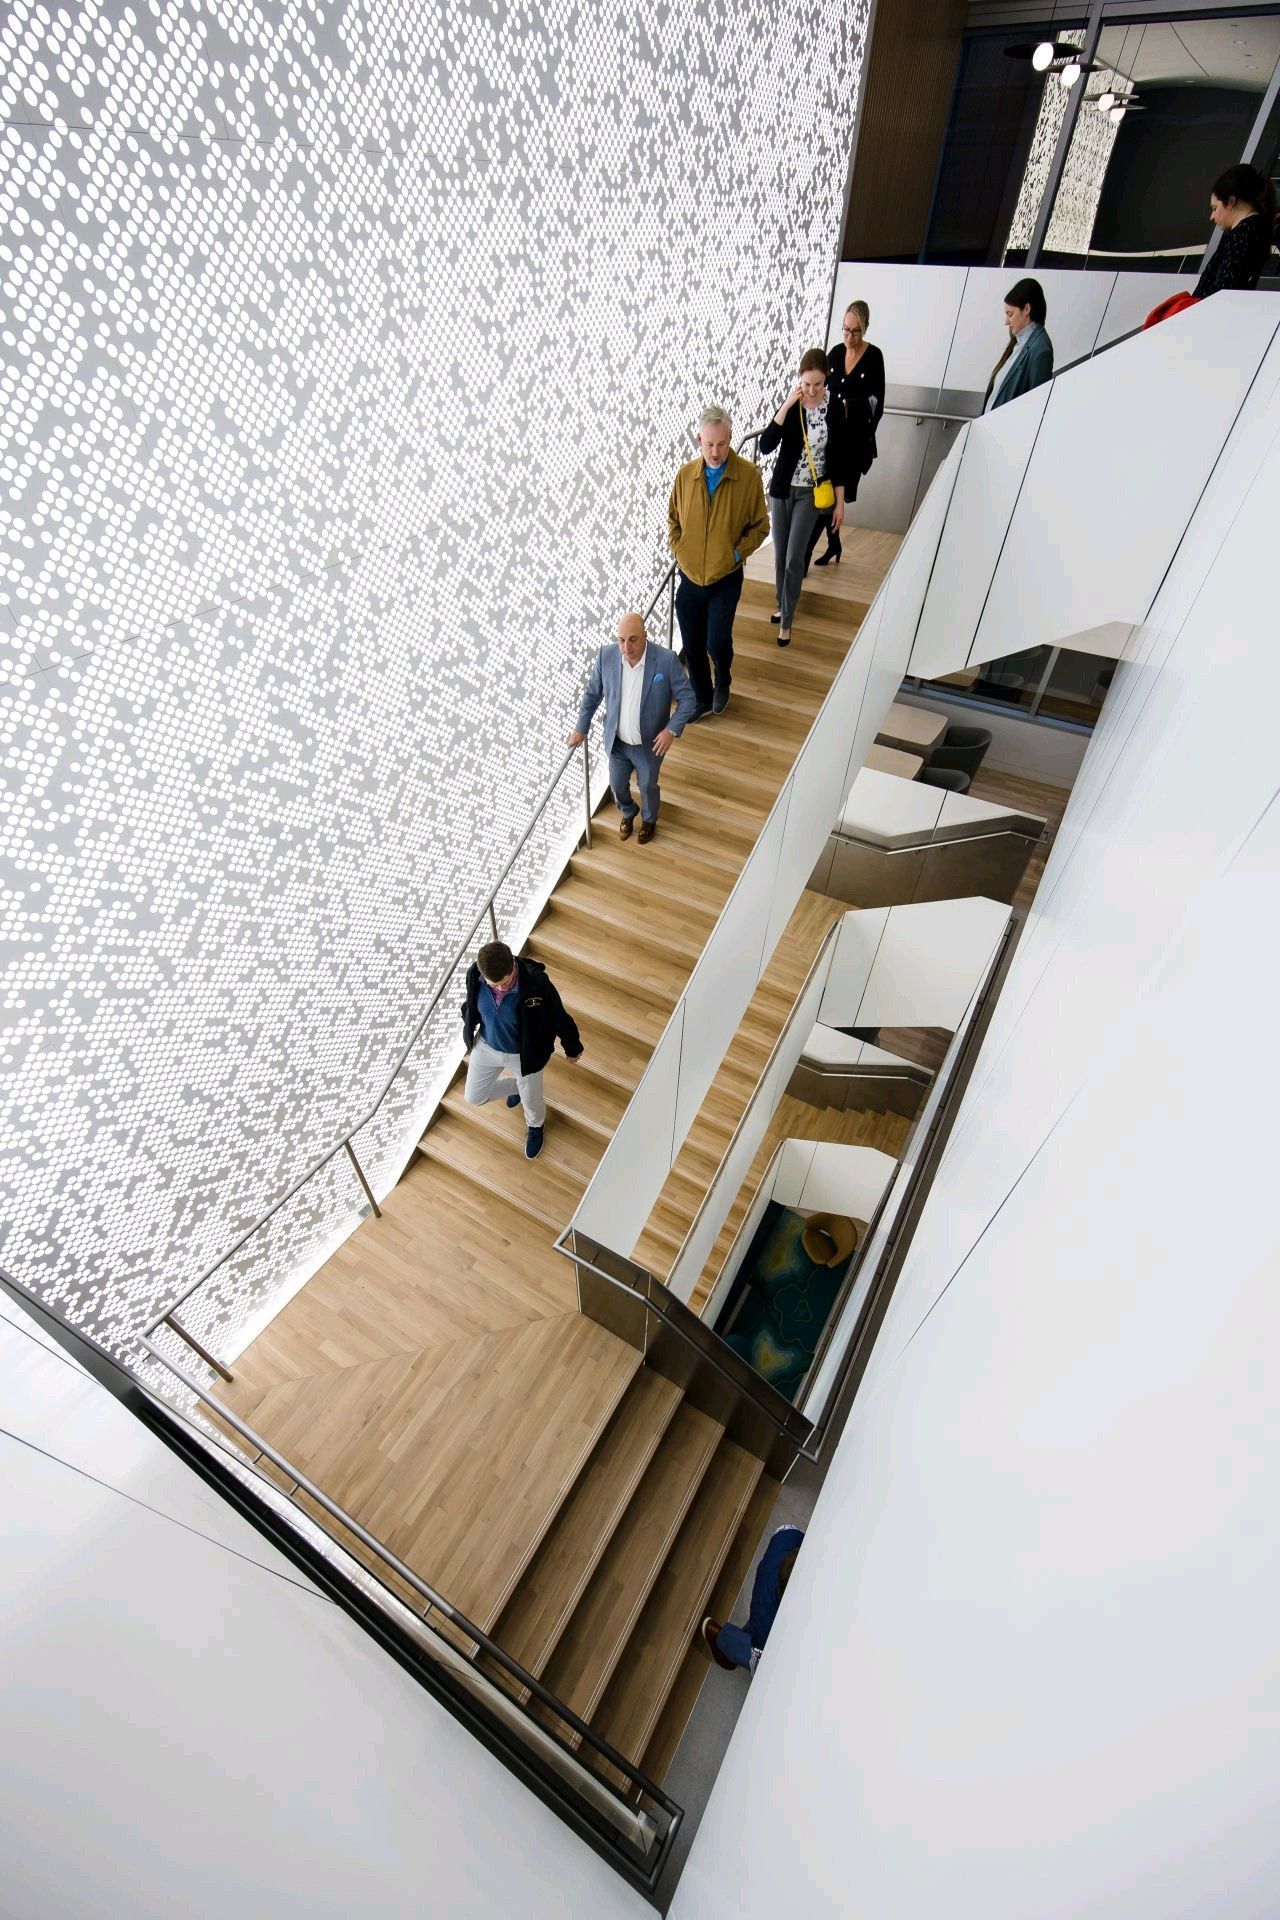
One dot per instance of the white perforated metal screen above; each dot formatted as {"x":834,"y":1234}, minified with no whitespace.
{"x":347,"y":353}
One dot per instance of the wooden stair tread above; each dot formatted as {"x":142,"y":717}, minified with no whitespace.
{"x":697,"y":1664}
{"x":603,"y":1008}
{"x":663,"y":927}
{"x":553,"y":1583}
{"x":709,"y":826}
{"x":540,"y":1188}
{"x":677,"y":1606}
{"x":667,"y":871}
{"x":804,"y":679}
{"x":649,"y":892}
{"x":769,"y":702}
{"x":738,"y":794}
{"x":569,"y":1145}
{"x":588,"y":943}
{"x":594,"y":1639}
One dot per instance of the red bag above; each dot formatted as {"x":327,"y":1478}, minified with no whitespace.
{"x":1176,"y":303}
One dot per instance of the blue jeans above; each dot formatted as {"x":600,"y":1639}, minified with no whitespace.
{"x":743,"y":1645}
{"x":625,"y":760}
{"x":706,"y":628}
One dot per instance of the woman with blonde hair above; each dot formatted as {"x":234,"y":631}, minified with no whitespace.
{"x":855,"y":372}
{"x":809,"y":432}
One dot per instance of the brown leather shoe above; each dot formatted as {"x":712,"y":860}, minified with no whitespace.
{"x":647,"y":830}
{"x":710,"y":1628}
{"x":624,"y":829}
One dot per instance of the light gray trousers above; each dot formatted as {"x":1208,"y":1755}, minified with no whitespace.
{"x":484,"y":1081}
{"x":792,"y":521}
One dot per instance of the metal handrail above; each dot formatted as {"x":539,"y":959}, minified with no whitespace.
{"x":261,"y":1449}
{"x":425,"y":1591}
{"x":750,"y":1385}
{"x":165,"y":1318}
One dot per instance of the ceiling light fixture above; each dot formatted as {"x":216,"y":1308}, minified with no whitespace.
{"x":1069,"y":74}
{"x":1042,"y":58}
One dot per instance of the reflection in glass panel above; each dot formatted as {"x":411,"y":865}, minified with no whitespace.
{"x":1171,"y":105}
{"x":1013,"y":681}
{"x":1077,"y":687}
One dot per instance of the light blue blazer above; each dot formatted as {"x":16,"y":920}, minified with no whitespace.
{"x":665,"y":681}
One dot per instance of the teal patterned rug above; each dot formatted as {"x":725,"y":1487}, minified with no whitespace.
{"x":780,"y":1301}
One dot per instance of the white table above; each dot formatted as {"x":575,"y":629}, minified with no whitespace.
{"x":911,"y":729}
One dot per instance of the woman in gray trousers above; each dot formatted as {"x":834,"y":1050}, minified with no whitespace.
{"x":809,"y":431}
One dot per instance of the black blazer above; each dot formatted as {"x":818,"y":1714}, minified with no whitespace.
{"x":790,"y":444}
{"x":1238,"y":258}
{"x":858,"y":389}
{"x":541,"y":1018}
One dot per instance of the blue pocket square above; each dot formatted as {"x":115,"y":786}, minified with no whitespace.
{"x":657,"y":677}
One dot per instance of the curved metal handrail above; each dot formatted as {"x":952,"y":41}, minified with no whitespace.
{"x":165,"y":1317}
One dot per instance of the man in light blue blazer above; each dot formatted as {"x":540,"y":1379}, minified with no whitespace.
{"x":639,"y":683}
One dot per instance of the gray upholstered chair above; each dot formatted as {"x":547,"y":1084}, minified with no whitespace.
{"x":963,"y":749}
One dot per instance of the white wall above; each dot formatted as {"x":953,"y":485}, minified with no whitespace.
{"x":187,"y":1728}
{"x":1026,"y":1667}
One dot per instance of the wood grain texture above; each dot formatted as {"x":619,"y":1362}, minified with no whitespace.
{"x":907,"y":85}
{"x":435,"y":1377}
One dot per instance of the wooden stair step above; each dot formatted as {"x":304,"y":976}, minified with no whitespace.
{"x":674,"y":1612}
{"x":586,"y":1094}
{"x":833,"y":632}
{"x":543,"y":1190}
{"x":594,"y":1639}
{"x":649,"y":976}
{"x":554,"y":1581}
{"x":570,"y":1147}
{"x":772,"y":750}
{"x":805,"y":679}
{"x":730,"y":791}
{"x":758,"y":596}
{"x":615,"y":870}
{"x":602,"y":1007}
{"x":710,"y":825}
{"x":696,"y":1666}
{"x":664,"y":928}
{"x":766,"y":703}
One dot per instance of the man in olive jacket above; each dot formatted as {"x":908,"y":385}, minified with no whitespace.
{"x":511,"y":1019}
{"x":716,"y":517}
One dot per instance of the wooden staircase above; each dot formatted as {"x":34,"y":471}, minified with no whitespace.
{"x":436,"y":1378}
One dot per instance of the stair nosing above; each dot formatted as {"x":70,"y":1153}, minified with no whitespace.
{"x":675,"y":1520}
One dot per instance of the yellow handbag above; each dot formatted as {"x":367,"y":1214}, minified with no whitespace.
{"x":824,"y":494}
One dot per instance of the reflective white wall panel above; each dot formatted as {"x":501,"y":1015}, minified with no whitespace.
{"x":328,"y":330}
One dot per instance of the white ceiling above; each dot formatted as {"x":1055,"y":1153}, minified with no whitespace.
{"x":1225,"y":53}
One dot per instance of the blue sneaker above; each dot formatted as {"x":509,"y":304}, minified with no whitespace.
{"x":513,"y":1099}
{"x":533,"y":1143}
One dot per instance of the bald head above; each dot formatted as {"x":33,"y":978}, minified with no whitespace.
{"x":631,"y":637}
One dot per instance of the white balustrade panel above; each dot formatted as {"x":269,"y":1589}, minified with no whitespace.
{"x":637,"y":1160}
{"x":996,"y":453}
{"x":820,"y":780}
{"x":726,"y":976}
{"x":913,"y":315}
{"x":830,"y":1176}
{"x":1102,"y":509}
{"x":904,"y":595}
{"x":1076,"y":301}
{"x":1132,"y":297}
{"x":911,"y":966}
{"x":733,"y":1171}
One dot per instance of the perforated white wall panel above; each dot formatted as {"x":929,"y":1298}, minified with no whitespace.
{"x":348,"y":350}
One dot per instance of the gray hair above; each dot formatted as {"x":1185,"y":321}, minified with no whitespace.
{"x":715,"y":417}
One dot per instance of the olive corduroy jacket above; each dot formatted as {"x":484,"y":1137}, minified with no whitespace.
{"x":711,"y":536}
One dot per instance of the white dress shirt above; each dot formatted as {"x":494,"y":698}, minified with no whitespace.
{"x":632,"y":688}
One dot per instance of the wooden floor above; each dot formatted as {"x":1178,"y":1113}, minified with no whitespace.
{"x":435,"y":1377}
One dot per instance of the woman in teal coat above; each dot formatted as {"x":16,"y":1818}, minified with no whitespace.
{"x":1027,"y":361}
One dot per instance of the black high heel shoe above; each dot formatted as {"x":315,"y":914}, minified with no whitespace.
{"x":832,"y":555}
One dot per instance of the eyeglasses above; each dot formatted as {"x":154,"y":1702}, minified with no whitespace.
{"x":853,"y":333}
